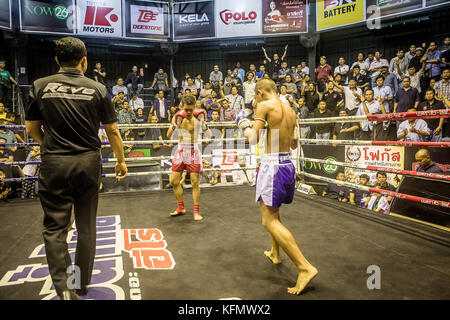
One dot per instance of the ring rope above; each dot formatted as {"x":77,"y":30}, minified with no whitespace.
{"x":379,"y":143}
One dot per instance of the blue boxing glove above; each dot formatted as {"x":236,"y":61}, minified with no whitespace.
{"x":242,"y":121}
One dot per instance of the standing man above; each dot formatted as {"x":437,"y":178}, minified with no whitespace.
{"x":188,"y":122}
{"x":134,"y":80}
{"x":275,"y":181}
{"x":399,"y":64}
{"x":407,"y":97}
{"x":323,"y":72}
{"x":161,"y":80}
{"x":435,"y":125}
{"x":70,"y":108}
{"x":5,"y":84}
{"x":274,"y":65}
{"x":432,"y":58}
{"x":369,"y":106}
{"x":216,"y":78}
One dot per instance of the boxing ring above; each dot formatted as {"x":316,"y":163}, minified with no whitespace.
{"x":143,"y":253}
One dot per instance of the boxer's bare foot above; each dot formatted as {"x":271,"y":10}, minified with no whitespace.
{"x":177,"y":213}
{"x":272,"y":257}
{"x":304,"y":277}
{"x":197,"y":217}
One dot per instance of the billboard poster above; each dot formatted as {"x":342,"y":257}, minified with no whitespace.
{"x":237,"y":18}
{"x":55,"y":16}
{"x":284,"y":16}
{"x":5,"y":14}
{"x":338,"y":13}
{"x":193,"y":20}
{"x":432,"y":3}
{"x":101,"y":18}
{"x":226,"y":159}
{"x":393,"y":7}
{"x":147,"y":19}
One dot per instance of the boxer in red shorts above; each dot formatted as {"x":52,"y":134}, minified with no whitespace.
{"x":189,"y":122}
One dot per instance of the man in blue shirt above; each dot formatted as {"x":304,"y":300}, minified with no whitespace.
{"x":432,"y":60}
{"x":390,"y":79}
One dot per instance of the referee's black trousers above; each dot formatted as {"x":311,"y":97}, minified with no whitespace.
{"x":66,"y":181}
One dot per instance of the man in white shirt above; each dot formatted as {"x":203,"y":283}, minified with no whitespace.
{"x":249,"y":90}
{"x":375,"y":66}
{"x":343,"y":70}
{"x":352,"y":94}
{"x":119,"y":87}
{"x":236,"y":101}
{"x":244,"y":176}
{"x":363,"y":65}
{"x":411,"y":53}
{"x":284,"y":96}
{"x":136,"y":102}
{"x":415,"y":130}
{"x":399,"y":64}
{"x":304,"y":67}
{"x":369,"y":106}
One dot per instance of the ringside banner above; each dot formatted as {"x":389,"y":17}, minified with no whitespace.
{"x":338,"y":13}
{"x":146,"y":19}
{"x":237,"y":18}
{"x":101,"y":18}
{"x":193,"y":20}
{"x":284,"y":16}
{"x":5,"y":14}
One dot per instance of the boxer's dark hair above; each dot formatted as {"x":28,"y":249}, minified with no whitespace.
{"x":189,"y":100}
{"x":70,"y":51}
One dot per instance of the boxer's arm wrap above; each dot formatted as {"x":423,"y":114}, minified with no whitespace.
{"x":296,"y":133}
{"x":242,"y":121}
{"x":200,"y":114}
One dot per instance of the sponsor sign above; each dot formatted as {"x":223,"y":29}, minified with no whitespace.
{"x":338,"y":13}
{"x":47,"y":16}
{"x":100,"y":18}
{"x":237,"y":18}
{"x":5,"y":14}
{"x":227,"y":159}
{"x":193,"y":20}
{"x":284,"y":16}
{"x":393,"y":7}
{"x":121,"y":254}
{"x":147,"y":19}
{"x":431,"y":3}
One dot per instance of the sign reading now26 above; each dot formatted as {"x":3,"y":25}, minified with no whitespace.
{"x":47,"y":16}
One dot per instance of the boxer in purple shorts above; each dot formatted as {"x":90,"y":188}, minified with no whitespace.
{"x":275,"y":182}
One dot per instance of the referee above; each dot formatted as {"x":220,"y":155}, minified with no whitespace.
{"x":70,"y":108}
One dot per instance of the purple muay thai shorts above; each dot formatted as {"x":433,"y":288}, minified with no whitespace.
{"x":275,"y":181}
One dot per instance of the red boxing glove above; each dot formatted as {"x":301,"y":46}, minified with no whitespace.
{"x":200,"y":114}
{"x":179,"y":117}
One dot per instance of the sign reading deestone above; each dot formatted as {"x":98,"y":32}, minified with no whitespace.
{"x":193,"y":20}
{"x":5,"y":14}
{"x":147,"y":19}
{"x":100,"y":18}
{"x":237,"y":18}
{"x":47,"y":16}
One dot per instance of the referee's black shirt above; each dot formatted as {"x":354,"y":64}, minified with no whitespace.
{"x":71,"y":107}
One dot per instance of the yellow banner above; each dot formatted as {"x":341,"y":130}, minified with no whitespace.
{"x":337,"y":13}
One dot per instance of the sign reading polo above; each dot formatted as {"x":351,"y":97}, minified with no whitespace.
{"x":193,"y":20}
{"x":336,"y":13}
{"x":47,"y":16}
{"x":100,"y":18}
{"x":5,"y":14}
{"x":238,"y":18}
{"x":147,"y":19}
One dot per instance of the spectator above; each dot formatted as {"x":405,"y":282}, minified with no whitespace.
{"x":274,"y":65}
{"x":323,"y":72}
{"x":399,"y":64}
{"x":351,"y":94}
{"x":415,"y":61}
{"x":140,"y":119}
{"x":362,"y":64}
{"x":244,"y":175}
{"x":11,"y":118}
{"x":383,"y":93}
{"x":346,"y":130}
{"x":128,"y":135}
{"x":221,"y":178}
{"x":5,"y":156}
{"x":294,"y":105}
{"x":155,"y":134}
{"x":213,"y":104}
{"x":415,"y":77}
{"x":191,"y":86}
{"x":442,"y":87}
{"x":184,"y":82}
{"x":225,"y":89}
{"x":445,"y":46}
{"x":161,"y":108}
{"x":252,"y":69}
{"x":5,"y":85}
{"x":432,"y":58}
{"x":311,"y":96}
{"x":370,"y":58}
{"x":126,"y":115}
{"x":8,"y":135}
{"x":376,"y":65}
{"x":5,"y":187}
{"x":236,"y":80}
{"x":161,"y":80}
{"x":435,"y":125}
{"x":236,"y":101}
{"x":136,"y":102}
{"x":303,"y":113}
{"x":445,"y":54}
{"x":261,"y":72}
{"x":382,"y":183}
{"x":209,"y":176}
{"x":3,"y":113}
{"x":216,"y":78}
{"x":390,"y":79}
{"x":298,"y":77}
{"x":198,"y":82}
{"x":283,"y":72}
{"x":415,"y":130}
{"x":425,"y":163}
{"x":226,"y":112}
{"x":30,"y":187}
{"x":304,"y":67}
{"x":118,"y":101}
{"x":369,"y":106}
{"x":99,"y":73}
{"x":358,"y":196}
{"x":205,"y":93}
{"x":240,"y":71}
{"x":323,"y":131}
{"x":343,"y":70}
{"x":291,"y":88}
{"x":411,"y":53}
{"x":407,"y":97}
{"x":249,"y":91}
{"x":378,"y":203}
{"x":215,"y":117}
{"x":284,"y":96}
{"x":362,"y":81}
{"x":337,"y":190}
{"x":119,"y":87}
{"x":332,"y":98}
{"x":134,"y":80}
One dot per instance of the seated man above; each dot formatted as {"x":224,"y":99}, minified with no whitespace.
{"x":5,"y":188}
{"x":8,"y":135}
{"x":346,"y":130}
{"x":119,"y":87}
{"x":425,"y":163}
{"x":209,"y":176}
{"x":136,"y":102}
{"x":413,"y":130}
{"x":155,"y":133}
{"x":377,"y":202}
{"x":5,"y":156}
{"x":336,"y":190}
{"x":244,"y":175}
{"x":358,"y":196}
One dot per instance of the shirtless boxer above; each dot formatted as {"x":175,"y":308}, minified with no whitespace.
{"x":188,"y":121}
{"x":275,"y":181}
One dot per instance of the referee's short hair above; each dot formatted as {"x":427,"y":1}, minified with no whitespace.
{"x":70,"y":51}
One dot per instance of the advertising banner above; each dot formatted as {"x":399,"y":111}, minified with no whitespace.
{"x":237,"y":18}
{"x":323,"y":152}
{"x":193,"y":20}
{"x":284,"y":16}
{"x":5,"y":14}
{"x":147,"y":19}
{"x":431,"y":3}
{"x":55,"y":16}
{"x":338,"y":13}
{"x":383,"y":156}
{"x":393,"y":7}
{"x":99,"y":18}
{"x":227,"y":159}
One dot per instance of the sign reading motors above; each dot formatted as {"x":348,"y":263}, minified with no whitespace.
{"x":100,"y":18}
